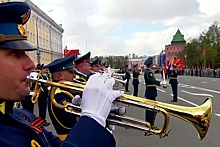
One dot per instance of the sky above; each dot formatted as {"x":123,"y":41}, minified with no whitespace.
{"x":123,"y":27}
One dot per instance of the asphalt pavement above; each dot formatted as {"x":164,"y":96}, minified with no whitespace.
{"x":192,"y":92}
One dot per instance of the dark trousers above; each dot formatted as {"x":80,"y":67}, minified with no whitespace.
{"x":150,"y":115}
{"x":126,"y":85}
{"x":135,"y":89}
{"x":27,"y":104}
{"x":174,"y":89}
{"x":42,"y":104}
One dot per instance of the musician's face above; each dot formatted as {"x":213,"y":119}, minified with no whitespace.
{"x":15,"y":65}
{"x":86,"y":68}
{"x":95,"y":68}
{"x":67,"y":75}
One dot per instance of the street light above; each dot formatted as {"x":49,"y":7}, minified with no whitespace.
{"x":38,"y":49}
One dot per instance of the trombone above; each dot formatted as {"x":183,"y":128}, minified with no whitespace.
{"x":199,"y":117}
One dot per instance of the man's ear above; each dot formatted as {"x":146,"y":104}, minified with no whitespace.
{"x":60,"y":76}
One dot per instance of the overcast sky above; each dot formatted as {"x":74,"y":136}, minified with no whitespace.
{"x":122,"y":27}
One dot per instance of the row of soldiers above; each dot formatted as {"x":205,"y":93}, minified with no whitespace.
{"x":62,"y":69}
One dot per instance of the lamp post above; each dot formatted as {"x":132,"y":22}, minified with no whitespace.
{"x":38,"y":49}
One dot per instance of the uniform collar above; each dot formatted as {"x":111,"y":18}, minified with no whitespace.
{"x":6,"y":106}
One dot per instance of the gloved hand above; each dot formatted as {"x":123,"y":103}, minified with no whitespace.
{"x":33,"y":94}
{"x":98,"y":96}
{"x":77,"y":100}
{"x":118,"y":111}
{"x":163,"y":83}
{"x":48,"y":88}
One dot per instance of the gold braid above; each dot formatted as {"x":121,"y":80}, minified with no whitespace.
{"x":4,"y":38}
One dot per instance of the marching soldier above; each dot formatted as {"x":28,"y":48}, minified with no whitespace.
{"x":127,"y":77}
{"x":174,"y":83}
{"x":62,"y":69}
{"x":22,"y":128}
{"x":83,"y":67}
{"x":135,"y":81}
{"x":151,"y":91}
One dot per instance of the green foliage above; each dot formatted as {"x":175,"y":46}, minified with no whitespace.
{"x":208,"y":41}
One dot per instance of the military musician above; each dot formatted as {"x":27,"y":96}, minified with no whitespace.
{"x":62,"y":69}
{"x":22,"y":128}
{"x":83,"y":67}
{"x":174,"y":83}
{"x":135,"y":81}
{"x":151,"y":91}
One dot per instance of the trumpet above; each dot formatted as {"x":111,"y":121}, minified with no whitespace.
{"x":37,"y":88}
{"x":199,"y":117}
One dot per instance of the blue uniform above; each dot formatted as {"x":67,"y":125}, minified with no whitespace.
{"x":150,"y":93}
{"x":135,"y":82}
{"x":81,"y":77}
{"x":22,"y":128}
{"x":62,"y":121}
{"x":173,"y":81}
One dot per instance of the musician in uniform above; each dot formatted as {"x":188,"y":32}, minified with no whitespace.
{"x":62,"y":69}
{"x":135,"y":81}
{"x":27,"y":103}
{"x":95,"y":65}
{"x":174,"y":83}
{"x":43,"y":96}
{"x":83,"y":67}
{"x":151,"y":91}
{"x":22,"y":128}
{"x":127,"y":77}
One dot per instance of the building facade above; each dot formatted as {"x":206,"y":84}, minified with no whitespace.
{"x":176,"y":46}
{"x":43,"y":33}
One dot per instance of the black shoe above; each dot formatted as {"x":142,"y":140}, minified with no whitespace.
{"x":173,"y":101}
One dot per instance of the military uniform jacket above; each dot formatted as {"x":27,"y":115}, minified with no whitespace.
{"x":62,"y":121}
{"x":151,"y":83}
{"x":173,"y":77}
{"x":135,"y":77}
{"x":19,"y":129}
{"x":81,"y":77}
{"x":44,"y":93}
{"x":127,"y":75}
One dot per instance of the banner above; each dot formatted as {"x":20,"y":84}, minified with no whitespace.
{"x":70,"y":52}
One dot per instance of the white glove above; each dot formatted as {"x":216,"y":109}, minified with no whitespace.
{"x":77,"y":100}
{"x":116,"y":110}
{"x":98,"y":96}
{"x":48,"y":88}
{"x":163,"y":83}
{"x":33,"y":94}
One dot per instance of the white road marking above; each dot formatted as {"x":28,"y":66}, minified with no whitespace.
{"x":203,"y":82}
{"x":182,"y":99}
{"x":217,"y":115}
{"x":161,"y":90}
{"x":200,"y":94}
{"x":199,"y":88}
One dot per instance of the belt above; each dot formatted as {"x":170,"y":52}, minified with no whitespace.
{"x":135,"y":78}
{"x":151,"y":85}
{"x":62,"y":137}
{"x":173,"y":78}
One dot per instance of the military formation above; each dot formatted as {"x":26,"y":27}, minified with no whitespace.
{"x":23,"y":128}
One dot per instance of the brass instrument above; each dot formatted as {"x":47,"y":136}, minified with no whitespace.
{"x":199,"y":117}
{"x":37,"y":88}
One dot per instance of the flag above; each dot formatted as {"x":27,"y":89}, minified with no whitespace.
{"x":70,"y":52}
{"x":203,"y":52}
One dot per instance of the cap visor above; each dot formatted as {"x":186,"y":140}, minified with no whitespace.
{"x":18,"y":44}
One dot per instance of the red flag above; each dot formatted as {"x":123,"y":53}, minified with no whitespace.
{"x":203,"y":52}
{"x":71,"y":52}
